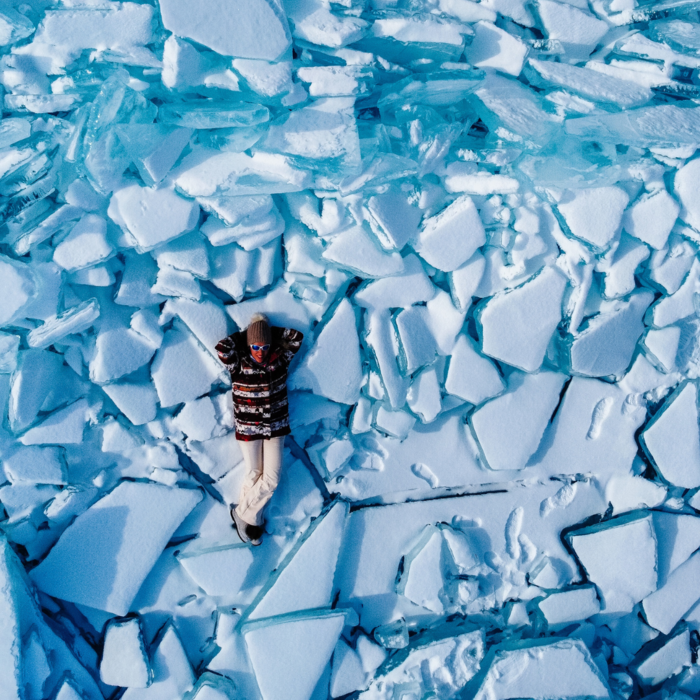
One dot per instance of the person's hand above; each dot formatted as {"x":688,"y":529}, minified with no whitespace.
{"x":226,"y":351}
{"x":224,"y":347}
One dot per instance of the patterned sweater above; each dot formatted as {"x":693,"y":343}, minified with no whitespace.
{"x":260,"y":404}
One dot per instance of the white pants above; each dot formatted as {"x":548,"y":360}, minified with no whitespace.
{"x":263,"y":460}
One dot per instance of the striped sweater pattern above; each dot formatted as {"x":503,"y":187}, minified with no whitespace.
{"x":260,"y":404}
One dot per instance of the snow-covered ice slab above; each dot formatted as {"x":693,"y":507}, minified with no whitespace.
{"x":152,"y":216}
{"x":421,"y":580}
{"x":606,"y":344}
{"x":446,"y":659}
{"x":540,"y":670}
{"x":449,"y":239}
{"x":38,"y":465}
{"x":172,"y":672}
{"x":103,"y":557}
{"x":206,"y":172}
{"x":181,"y":349}
{"x":23,"y":619}
{"x":678,"y":535}
{"x":471,"y":376}
{"x":64,"y":427}
{"x":125,"y":661}
{"x":572,"y":605}
{"x":517,"y":325}
{"x":290,"y":652}
{"x":304,"y":580}
{"x":667,"y":605}
{"x":620,"y":557}
{"x":658,"y":126}
{"x":332,"y":368}
{"x":410,"y":286}
{"x":138,"y":402}
{"x":677,"y":460}
{"x":256,"y":29}
{"x":585,"y":82}
{"x":663,"y":658}
{"x":128,"y":25}
{"x":594,"y":215}
{"x":509,"y":428}
{"x":219,"y":570}
{"x":369,"y":565}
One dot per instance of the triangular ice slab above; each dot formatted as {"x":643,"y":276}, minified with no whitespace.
{"x":665,"y":607}
{"x":510,"y":427}
{"x":102,"y":559}
{"x":172,"y":672}
{"x":333,"y":367}
{"x":304,"y":580}
{"x":678,"y":535}
{"x":220,"y":570}
{"x":678,"y":461}
{"x":289,"y":653}
{"x":22,"y":619}
{"x":10,"y":671}
{"x":154,"y":148}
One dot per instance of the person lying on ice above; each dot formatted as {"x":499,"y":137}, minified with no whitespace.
{"x":257,"y":359}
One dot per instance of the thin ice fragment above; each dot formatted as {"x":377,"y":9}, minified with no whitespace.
{"x":73,"y":320}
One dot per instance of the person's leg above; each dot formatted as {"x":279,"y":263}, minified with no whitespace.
{"x":252,"y":451}
{"x":256,"y":498}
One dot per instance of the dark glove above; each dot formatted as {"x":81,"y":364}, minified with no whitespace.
{"x":227,"y":352}
{"x":224,"y":347}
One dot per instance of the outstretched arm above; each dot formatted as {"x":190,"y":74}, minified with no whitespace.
{"x":228,"y":353}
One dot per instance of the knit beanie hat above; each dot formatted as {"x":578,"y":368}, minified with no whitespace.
{"x":258,"y":332}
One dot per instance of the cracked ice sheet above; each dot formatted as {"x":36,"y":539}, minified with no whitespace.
{"x":369,"y":563}
{"x":313,"y":174}
{"x":592,"y":432}
{"x":413,"y":469}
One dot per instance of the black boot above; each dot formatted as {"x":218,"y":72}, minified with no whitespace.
{"x":255,"y":532}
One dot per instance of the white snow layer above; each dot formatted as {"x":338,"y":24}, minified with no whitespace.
{"x":485,"y":219}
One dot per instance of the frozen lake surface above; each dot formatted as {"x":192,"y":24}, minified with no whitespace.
{"x":485,"y":219}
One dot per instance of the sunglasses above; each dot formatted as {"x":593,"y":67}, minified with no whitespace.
{"x":260,"y":347}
